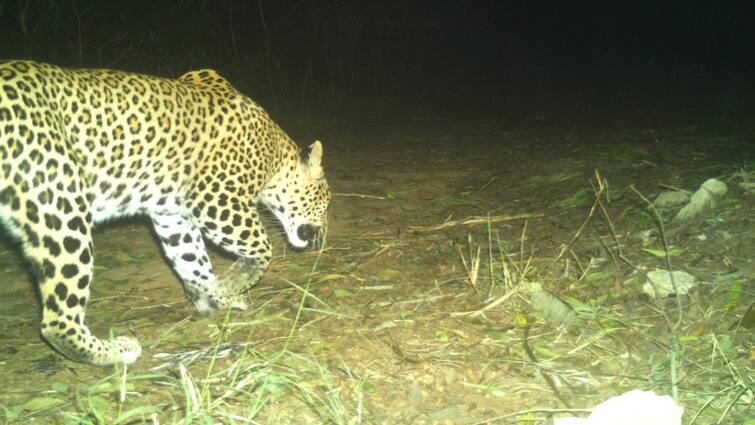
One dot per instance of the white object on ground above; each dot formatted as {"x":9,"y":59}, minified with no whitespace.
{"x":635,"y":407}
{"x":710,"y":192}
{"x":672,"y":198}
{"x":659,"y":283}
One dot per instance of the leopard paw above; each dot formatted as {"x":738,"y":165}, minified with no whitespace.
{"x":234,"y":301}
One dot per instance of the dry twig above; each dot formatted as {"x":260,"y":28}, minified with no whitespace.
{"x":546,"y":375}
{"x":595,"y":204}
{"x":475,"y":220}
{"x":359,"y":195}
{"x":672,"y":327}
{"x":487,"y":307}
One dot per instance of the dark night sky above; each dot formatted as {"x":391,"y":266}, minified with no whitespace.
{"x":489,"y":54}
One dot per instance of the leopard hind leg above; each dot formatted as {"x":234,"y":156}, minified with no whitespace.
{"x":55,"y":234}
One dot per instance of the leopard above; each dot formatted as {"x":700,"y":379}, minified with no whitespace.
{"x":202,"y":161}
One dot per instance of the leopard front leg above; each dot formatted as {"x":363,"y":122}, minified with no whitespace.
{"x":185,"y":250}
{"x":239,"y":231}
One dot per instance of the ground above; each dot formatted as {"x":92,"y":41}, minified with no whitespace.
{"x":398,"y":322}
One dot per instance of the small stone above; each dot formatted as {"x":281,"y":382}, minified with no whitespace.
{"x":670,"y":199}
{"x":659,"y":283}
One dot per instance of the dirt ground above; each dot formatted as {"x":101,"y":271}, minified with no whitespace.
{"x":390,"y":324}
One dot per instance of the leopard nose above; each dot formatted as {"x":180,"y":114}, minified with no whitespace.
{"x":306,"y":232}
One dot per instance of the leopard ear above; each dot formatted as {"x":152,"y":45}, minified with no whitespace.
{"x":314,"y":161}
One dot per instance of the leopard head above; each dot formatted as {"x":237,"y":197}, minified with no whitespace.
{"x":299,"y":196}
